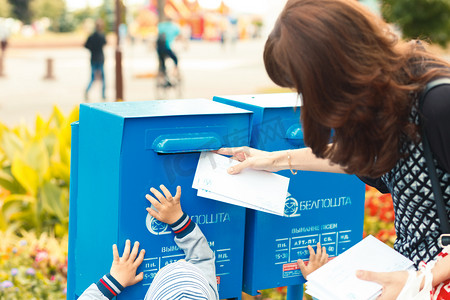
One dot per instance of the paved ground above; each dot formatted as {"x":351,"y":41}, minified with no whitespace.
{"x":207,"y":69}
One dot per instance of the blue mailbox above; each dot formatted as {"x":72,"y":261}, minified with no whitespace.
{"x":119,"y":151}
{"x":321,"y":207}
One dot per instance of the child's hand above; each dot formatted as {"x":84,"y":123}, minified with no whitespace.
{"x":316,"y":260}
{"x":124,"y":268}
{"x":168,"y":207}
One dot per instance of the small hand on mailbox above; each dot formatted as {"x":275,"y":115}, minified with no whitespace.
{"x":121,"y":275}
{"x":123,"y":269}
{"x":316,"y":260}
{"x":167,"y":207}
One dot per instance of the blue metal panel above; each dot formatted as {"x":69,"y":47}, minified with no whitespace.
{"x":96,"y":211}
{"x":71,"y":276}
{"x":321,"y":207}
{"x":125,"y":154}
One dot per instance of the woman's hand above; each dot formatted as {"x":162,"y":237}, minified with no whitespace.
{"x":392,"y":282}
{"x":249,"y":158}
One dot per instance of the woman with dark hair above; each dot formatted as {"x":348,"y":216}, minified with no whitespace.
{"x":360,"y":88}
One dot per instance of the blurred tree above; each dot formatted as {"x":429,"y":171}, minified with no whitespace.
{"x":425,"y":19}
{"x":66,"y":23}
{"x":5,"y":9}
{"x":161,"y":13}
{"x":52,"y":9}
{"x":106,"y":13}
{"x":21,"y":10}
{"x":85,"y":13}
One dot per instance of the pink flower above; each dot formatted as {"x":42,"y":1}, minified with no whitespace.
{"x":6,"y":284}
{"x":30,"y":271}
{"x":41,"y":255}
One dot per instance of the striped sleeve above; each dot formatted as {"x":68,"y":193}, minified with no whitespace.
{"x":109,"y":286}
{"x":183,"y":226}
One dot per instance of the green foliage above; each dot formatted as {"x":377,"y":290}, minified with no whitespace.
{"x":5,"y":9}
{"x":66,"y":23}
{"x":425,"y":19}
{"x":31,"y":267}
{"x":21,"y":10}
{"x":106,"y":13}
{"x":34,"y":175}
{"x":52,"y":9}
{"x":86,"y":13}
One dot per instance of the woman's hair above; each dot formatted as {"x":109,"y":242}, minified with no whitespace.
{"x":356,"y":79}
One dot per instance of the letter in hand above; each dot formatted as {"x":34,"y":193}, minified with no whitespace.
{"x":123,"y":269}
{"x":168,"y":208}
{"x":249,"y":158}
{"x":316,"y":260}
{"x":392,"y":282}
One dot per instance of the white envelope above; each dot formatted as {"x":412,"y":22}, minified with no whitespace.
{"x":260,"y":190}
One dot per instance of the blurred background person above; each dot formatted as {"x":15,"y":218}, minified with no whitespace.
{"x":168,"y":31}
{"x":95,"y":43}
{"x":4,"y":35}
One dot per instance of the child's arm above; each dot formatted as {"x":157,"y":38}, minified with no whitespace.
{"x":188,"y":235}
{"x":121,"y":274}
{"x":316,"y":260}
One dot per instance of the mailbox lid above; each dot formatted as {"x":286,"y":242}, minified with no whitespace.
{"x":161,"y":108}
{"x":276,"y":122}
{"x":275,"y":100}
{"x":188,"y":125}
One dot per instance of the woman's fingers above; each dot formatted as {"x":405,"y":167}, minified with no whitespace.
{"x":236,"y":169}
{"x":233,"y":151}
{"x":377,"y":277}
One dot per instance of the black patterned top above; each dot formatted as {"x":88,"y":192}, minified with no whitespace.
{"x":416,"y":222}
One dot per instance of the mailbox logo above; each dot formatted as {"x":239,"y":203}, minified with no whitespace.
{"x":156,"y":227}
{"x":291,"y":207}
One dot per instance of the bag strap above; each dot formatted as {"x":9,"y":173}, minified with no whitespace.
{"x":436,"y":188}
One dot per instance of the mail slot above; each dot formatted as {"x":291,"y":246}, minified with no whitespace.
{"x":320,"y":207}
{"x":120,"y":151}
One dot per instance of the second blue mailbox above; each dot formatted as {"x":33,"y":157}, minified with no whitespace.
{"x":119,"y":151}
{"x":321,"y":207}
